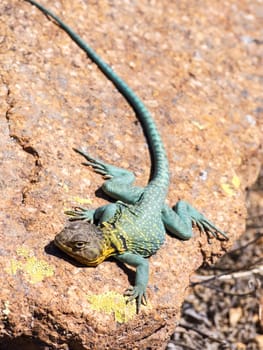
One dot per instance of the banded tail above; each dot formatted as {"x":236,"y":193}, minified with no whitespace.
{"x":160,"y":176}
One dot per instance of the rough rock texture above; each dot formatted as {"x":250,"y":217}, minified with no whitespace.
{"x":223,"y":309}
{"x":196,"y":65}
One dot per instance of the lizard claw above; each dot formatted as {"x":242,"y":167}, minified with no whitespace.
{"x":137,"y":293}
{"x":80,"y":213}
{"x":205,"y":226}
{"x":97,"y":165}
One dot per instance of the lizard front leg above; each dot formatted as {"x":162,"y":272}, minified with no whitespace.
{"x":97,"y":216}
{"x":137,"y":292}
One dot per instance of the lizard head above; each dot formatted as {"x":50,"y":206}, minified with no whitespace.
{"x":84,"y":242}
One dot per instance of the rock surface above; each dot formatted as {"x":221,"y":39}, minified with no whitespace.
{"x":196,"y":67}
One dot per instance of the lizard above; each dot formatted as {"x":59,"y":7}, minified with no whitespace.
{"x":132,"y":228}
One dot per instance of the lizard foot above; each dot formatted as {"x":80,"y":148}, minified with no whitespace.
{"x":206,"y":226}
{"x":186,"y":214}
{"x":137,"y":293}
{"x":97,"y":165}
{"x":81,"y":214}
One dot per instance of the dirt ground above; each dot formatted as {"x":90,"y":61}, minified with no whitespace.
{"x":224,"y":309}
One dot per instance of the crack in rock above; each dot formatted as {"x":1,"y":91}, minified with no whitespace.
{"x":23,"y":142}
{"x":35,"y":173}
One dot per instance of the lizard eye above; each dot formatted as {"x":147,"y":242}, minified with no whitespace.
{"x":79,"y":245}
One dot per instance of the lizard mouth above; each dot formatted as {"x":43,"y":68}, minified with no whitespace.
{"x":79,"y":256}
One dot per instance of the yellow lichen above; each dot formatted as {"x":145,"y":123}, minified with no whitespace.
{"x":14,"y":266}
{"x":236,"y":181}
{"x":65,"y":187}
{"x":199,"y":125}
{"x":112,"y":303}
{"x":227,"y":188}
{"x":24,"y":252}
{"x":230,"y":187}
{"x":80,"y":200}
{"x":35,"y":269}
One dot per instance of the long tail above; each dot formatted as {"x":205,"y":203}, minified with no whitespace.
{"x":160,"y":174}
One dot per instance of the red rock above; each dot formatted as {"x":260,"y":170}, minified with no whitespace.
{"x":189,"y":64}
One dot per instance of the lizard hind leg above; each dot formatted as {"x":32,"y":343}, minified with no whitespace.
{"x":178,"y":221}
{"x":119,"y":182}
{"x":204,"y":225}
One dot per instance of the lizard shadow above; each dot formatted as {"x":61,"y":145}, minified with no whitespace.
{"x":100,"y":194}
{"x":51,"y":249}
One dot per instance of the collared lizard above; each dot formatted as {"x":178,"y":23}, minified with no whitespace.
{"x":133,"y":228}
